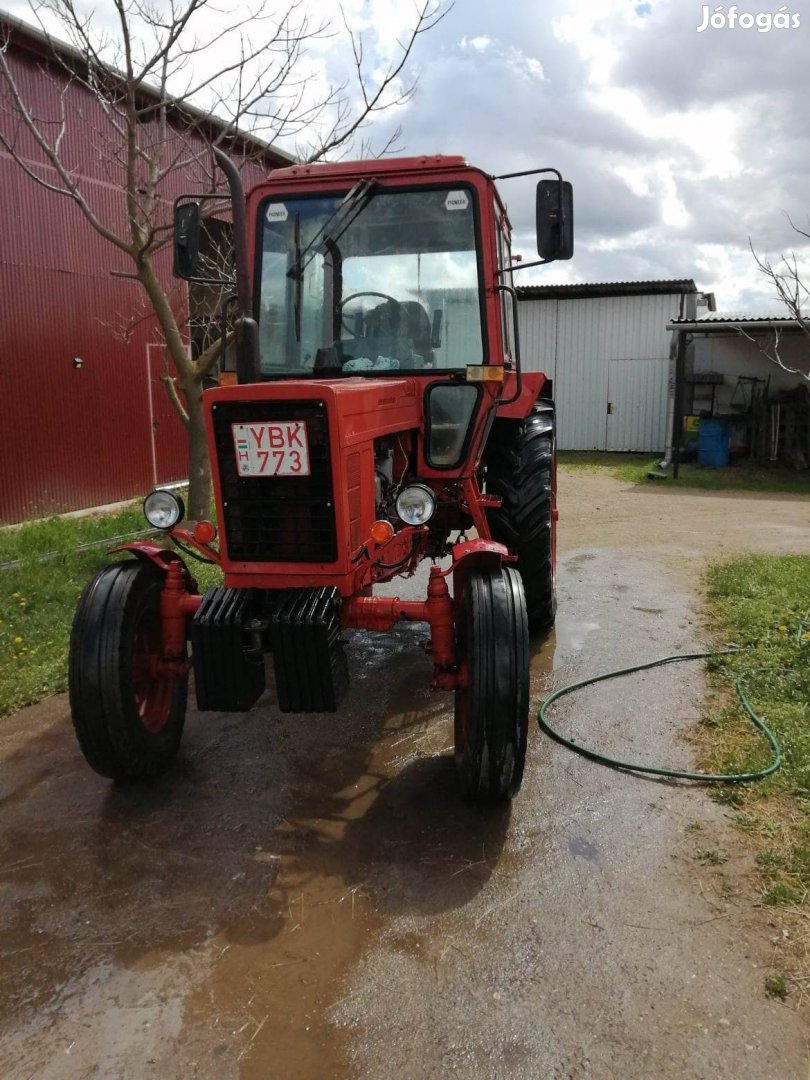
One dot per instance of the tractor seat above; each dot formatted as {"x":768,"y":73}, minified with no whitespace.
{"x":399,"y":330}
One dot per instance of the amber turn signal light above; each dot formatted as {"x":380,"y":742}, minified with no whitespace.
{"x":382,"y":531}
{"x":204,"y":532}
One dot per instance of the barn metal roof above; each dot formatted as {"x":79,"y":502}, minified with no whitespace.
{"x":588,"y":290}
{"x":34,"y":40}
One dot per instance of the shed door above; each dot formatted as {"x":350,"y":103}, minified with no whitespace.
{"x":636,"y":408}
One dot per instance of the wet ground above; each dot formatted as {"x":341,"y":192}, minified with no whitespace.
{"x":308,"y":897}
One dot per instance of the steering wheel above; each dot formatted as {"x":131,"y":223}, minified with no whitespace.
{"x":355,"y":296}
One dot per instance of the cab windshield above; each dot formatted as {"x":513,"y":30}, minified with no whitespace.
{"x":371,"y":282}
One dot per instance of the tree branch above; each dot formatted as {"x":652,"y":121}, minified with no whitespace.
{"x":771,"y":352}
{"x":171,"y":389}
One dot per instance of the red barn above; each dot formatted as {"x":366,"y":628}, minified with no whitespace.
{"x":85,"y":419}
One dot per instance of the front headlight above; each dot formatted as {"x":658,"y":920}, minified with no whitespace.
{"x":416,"y":504}
{"x":163,"y":509}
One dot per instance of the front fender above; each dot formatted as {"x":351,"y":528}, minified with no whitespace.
{"x":533,"y":385}
{"x":161,"y":557}
{"x":472,"y":555}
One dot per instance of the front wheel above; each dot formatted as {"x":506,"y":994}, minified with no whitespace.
{"x":492,"y":700}
{"x":127,"y":715}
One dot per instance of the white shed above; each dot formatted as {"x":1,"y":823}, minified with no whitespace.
{"x":607,"y":349}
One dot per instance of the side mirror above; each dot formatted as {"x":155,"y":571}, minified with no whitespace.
{"x":555,"y":220}
{"x":186,"y":239}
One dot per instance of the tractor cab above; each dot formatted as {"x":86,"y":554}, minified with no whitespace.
{"x":378,"y":267}
{"x":380,"y":279}
{"x":374,"y":268}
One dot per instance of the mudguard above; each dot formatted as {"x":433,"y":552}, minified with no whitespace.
{"x":534,"y":383}
{"x":154,"y":553}
{"x":474,"y":554}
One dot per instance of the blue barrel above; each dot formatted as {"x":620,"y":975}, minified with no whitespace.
{"x":713,"y":443}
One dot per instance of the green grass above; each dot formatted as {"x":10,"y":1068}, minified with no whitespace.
{"x":711,"y":856}
{"x":37,"y":599}
{"x":742,"y":477}
{"x":633,"y":469}
{"x":762,"y":602}
{"x":776,"y":985}
{"x":61,"y":534}
{"x":596,"y":461}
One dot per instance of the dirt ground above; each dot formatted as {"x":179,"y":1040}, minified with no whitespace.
{"x":307,"y":897}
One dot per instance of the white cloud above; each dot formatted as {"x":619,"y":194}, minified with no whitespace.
{"x":680,"y":145}
{"x":479,"y":44}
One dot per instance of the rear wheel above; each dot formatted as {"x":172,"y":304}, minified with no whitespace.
{"x":128,"y":716}
{"x":492,"y":704}
{"x":520,"y":458}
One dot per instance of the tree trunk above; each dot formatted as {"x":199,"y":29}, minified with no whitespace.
{"x":199,"y":467}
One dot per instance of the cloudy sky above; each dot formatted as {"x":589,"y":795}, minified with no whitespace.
{"x":681,"y":145}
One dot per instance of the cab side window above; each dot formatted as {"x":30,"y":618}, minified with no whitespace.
{"x":507,"y":318}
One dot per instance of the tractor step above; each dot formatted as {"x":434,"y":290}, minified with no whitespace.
{"x":311,"y":670}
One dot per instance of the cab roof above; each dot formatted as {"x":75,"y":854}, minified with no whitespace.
{"x":372,"y":167}
{"x":376,"y":167}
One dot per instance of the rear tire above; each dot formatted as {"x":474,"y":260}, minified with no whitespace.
{"x":128,"y":719}
{"x":521,"y":461}
{"x":492,"y":705}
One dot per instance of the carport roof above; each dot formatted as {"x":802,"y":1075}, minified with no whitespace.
{"x":723,"y":321}
{"x":590,"y":290}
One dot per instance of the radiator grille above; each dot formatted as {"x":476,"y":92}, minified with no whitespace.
{"x":277,"y":518}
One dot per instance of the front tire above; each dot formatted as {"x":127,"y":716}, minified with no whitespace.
{"x":521,"y":460}
{"x":128,"y":718}
{"x":492,"y":702}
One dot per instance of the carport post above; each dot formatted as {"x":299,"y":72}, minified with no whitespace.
{"x":677,"y":405}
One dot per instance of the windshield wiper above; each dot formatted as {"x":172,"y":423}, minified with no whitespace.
{"x":297,"y":278}
{"x":355,"y":202}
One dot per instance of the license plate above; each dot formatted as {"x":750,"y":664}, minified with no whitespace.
{"x":275,"y":448}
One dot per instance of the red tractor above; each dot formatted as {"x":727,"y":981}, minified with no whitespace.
{"x":378,"y":417}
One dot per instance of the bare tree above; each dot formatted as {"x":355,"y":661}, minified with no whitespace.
{"x":789,"y":287}
{"x":159,"y":73}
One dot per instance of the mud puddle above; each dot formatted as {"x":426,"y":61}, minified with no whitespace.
{"x":397,"y":840}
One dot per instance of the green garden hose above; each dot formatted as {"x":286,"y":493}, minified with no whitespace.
{"x":680,"y":774}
